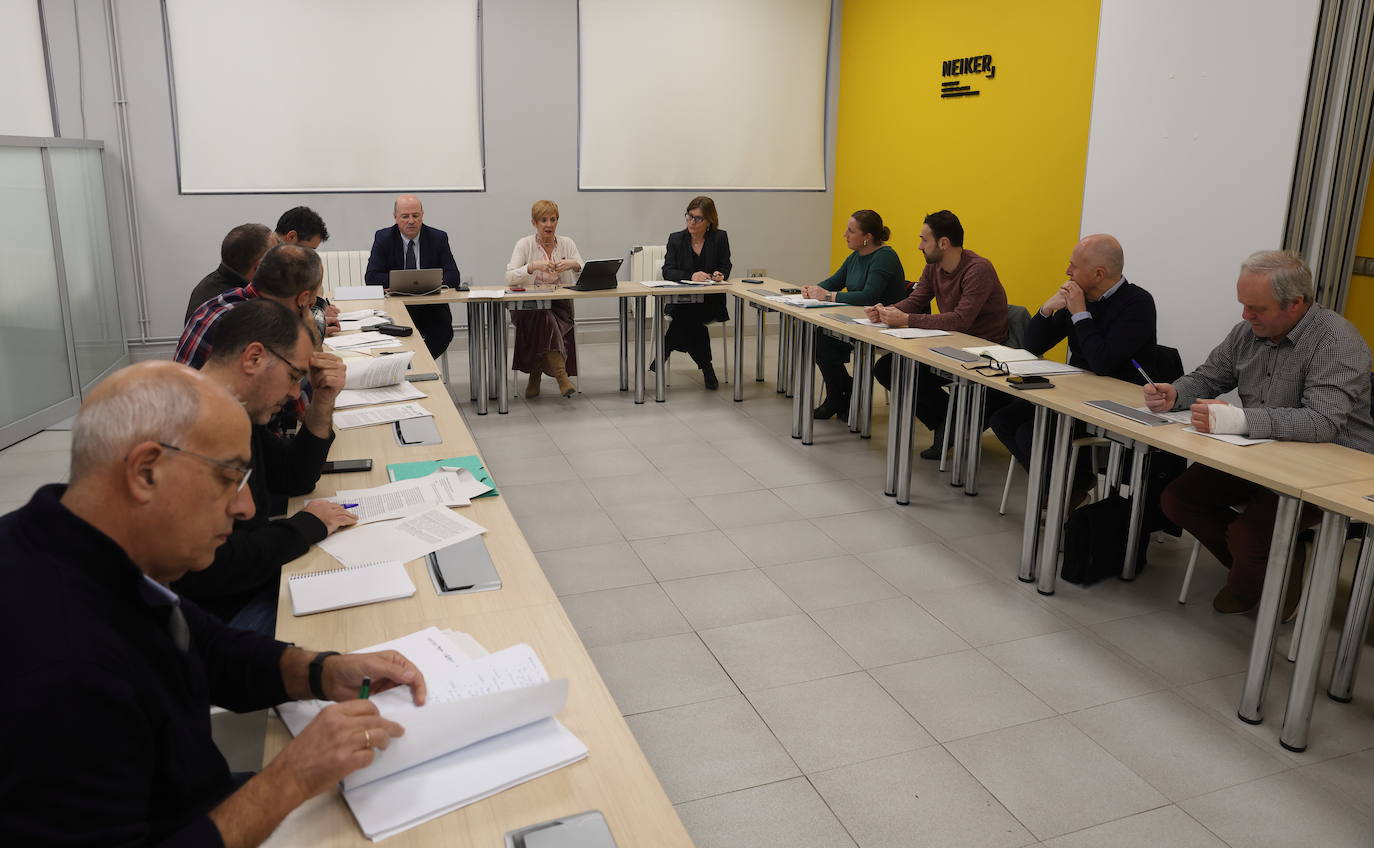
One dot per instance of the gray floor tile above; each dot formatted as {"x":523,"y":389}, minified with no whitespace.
{"x":660,"y":433}
{"x":673,"y":458}
{"x":616,"y":462}
{"x":745,"y":508}
{"x":1182,"y":645}
{"x":864,"y":532}
{"x":712,"y":480}
{"x":1151,"y":829}
{"x":831,"y":582}
{"x":988,"y":613}
{"x":776,"y":652}
{"x":888,"y":631}
{"x":646,"y":520}
{"x":835,"y":497}
{"x":1053,"y":778}
{"x":786,"y":814}
{"x":790,"y":541}
{"x":706,"y":749}
{"x":920,"y":799}
{"x":931,"y":567}
{"x":553,"y":530}
{"x":837,"y":721}
{"x":612,"y":616}
{"x":1069,"y":671}
{"x":1352,"y":774}
{"x":649,"y":487}
{"x":1180,"y":750}
{"x":733,"y":597}
{"x":653,"y":674}
{"x":960,"y":694}
{"x":609,"y":566}
{"x":691,"y":555}
{"x":999,"y":552}
{"x":1286,"y":809}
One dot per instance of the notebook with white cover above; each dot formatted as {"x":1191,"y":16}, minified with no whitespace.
{"x":321,"y":591}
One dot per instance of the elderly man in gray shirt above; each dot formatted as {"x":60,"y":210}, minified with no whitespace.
{"x":1302,"y":373}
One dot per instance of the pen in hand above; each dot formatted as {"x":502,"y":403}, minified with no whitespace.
{"x":366,"y":688}
{"x":1148,"y":381}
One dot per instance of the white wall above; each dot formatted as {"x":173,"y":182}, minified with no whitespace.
{"x":24,"y":105}
{"x":1197,"y":106}
{"x":530,"y":114}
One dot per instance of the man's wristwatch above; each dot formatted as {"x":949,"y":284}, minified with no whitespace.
{"x":317,"y":673}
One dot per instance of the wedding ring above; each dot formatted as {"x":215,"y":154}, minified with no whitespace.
{"x":367,"y":738}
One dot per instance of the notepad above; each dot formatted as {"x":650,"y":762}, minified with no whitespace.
{"x":321,"y":591}
{"x":913,"y":333}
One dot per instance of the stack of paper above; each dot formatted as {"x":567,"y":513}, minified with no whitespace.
{"x":1040,"y":368}
{"x":1002,"y":353}
{"x":488,"y":724}
{"x":485,"y":294}
{"x":350,"y":418}
{"x":358,"y":293}
{"x":672,"y":284}
{"x":804,"y":302}
{"x":366,"y":340}
{"x":410,"y":470}
{"x":913,"y":333}
{"x":403,"y":539}
{"x":1228,"y":438}
{"x":385,"y":394}
{"x":377,"y":379}
{"x":406,"y":497}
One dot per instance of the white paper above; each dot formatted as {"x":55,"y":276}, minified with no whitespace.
{"x":1228,"y":438}
{"x":1002,"y":353}
{"x":348,"y":340}
{"x":406,"y":497}
{"x":404,"y":539}
{"x":373,"y":372}
{"x":914,"y":333}
{"x":1040,"y":368}
{"x":867,"y":323}
{"x":357,"y":314}
{"x":368,"y":416}
{"x":1182,"y":416}
{"x":386,"y":394}
{"x":359,"y":293}
{"x":672,"y":284}
{"x":804,"y":302}
{"x":485,"y":294}
{"x":348,"y":325}
{"x":322,"y":591}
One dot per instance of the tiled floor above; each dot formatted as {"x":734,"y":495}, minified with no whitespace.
{"x":806,"y":664}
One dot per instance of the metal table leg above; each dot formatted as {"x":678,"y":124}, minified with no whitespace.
{"x":973,"y":449}
{"x":793,"y":354}
{"x":906,"y":416}
{"x":784,"y":354}
{"x":1048,"y":566}
{"x":759,"y":327}
{"x":807,"y":361}
{"x":852,"y":419}
{"x":474,"y":357}
{"x":639,"y":348}
{"x":957,"y":442}
{"x":660,"y":373}
{"x":1030,"y":532}
{"x":738,"y":373}
{"x":1326,"y":566}
{"x":1356,"y":623}
{"x":799,"y":409}
{"x":498,"y":329}
{"x":624,"y":313}
{"x":866,"y":393}
{"x":1140,"y":470}
{"x":1267,"y":620}
{"x":478,"y":329}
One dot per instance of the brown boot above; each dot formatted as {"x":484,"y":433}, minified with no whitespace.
{"x":532,"y":387}
{"x":558,"y":367}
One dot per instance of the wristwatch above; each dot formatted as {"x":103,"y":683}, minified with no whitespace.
{"x":317,"y":674}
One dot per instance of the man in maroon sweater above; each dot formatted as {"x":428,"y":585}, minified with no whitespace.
{"x":971,"y":299}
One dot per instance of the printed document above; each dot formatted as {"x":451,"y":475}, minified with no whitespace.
{"x":349,"y":418}
{"x":403,"y":539}
{"x":385,"y":394}
{"x":376,"y":371}
{"x":406,"y":497}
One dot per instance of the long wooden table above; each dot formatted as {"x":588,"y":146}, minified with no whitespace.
{"x":614,"y":778}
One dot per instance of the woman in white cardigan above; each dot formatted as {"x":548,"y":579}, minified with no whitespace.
{"x":544,"y":340}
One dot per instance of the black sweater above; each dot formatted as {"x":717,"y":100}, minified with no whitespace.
{"x":1120,"y":328}
{"x":108,"y":738}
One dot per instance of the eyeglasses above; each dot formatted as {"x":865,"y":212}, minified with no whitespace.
{"x":695,"y":219}
{"x":245,"y":471}
{"x":991,"y":368}
{"x":296,"y":373}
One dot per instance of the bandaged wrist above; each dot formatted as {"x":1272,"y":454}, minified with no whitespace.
{"x":1224,"y":418}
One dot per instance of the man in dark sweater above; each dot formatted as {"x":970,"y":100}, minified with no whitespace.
{"x":108,"y":715}
{"x":971,"y":299}
{"x":262,"y":351}
{"x":1108,"y":322}
{"x":239,"y":254}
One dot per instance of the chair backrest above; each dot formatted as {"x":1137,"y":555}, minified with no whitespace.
{"x":1168,"y":364}
{"x":646,"y":262}
{"x":1018,"y":319}
{"x":343,"y":268}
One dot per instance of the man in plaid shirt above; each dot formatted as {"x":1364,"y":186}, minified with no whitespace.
{"x":1302,"y":373}
{"x":289,"y":274}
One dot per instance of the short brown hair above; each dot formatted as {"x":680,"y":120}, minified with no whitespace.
{"x":542,"y":208}
{"x":708,"y":211}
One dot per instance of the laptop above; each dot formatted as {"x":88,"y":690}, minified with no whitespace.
{"x":597,"y":275}
{"x":417,"y":281}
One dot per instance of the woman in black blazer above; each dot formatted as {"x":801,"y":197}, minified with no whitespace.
{"x":700,"y":253}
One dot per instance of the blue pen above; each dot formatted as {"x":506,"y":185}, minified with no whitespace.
{"x":354,"y":506}
{"x":1143,"y":374}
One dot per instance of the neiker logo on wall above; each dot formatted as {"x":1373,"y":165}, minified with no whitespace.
{"x":966,"y":66}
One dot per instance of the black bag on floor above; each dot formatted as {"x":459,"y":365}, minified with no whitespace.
{"x":1095,"y":541}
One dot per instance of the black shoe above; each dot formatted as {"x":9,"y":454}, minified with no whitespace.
{"x":708,"y":374}
{"x":933,"y":452}
{"x":653,"y":366}
{"x":835,"y":405}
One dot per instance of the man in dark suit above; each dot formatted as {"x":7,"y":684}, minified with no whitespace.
{"x":411,"y":244}
{"x":239,"y":255}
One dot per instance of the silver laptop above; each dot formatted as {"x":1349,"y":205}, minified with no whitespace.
{"x":417,"y":281}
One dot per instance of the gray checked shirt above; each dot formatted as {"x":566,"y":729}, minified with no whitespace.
{"x":1312,"y":386}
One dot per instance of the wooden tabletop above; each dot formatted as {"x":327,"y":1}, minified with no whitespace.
{"x":1346,"y":498}
{"x":624,"y":288}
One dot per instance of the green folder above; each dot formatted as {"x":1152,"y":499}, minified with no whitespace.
{"x":410,"y":470}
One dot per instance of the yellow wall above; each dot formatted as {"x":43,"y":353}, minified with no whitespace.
{"x":1359,"y":303}
{"x":1009,"y":162}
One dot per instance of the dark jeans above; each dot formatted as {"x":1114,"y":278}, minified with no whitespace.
{"x":687,"y":331}
{"x":831,"y":356}
{"x":260,"y":613}
{"x":931,"y":401}
{"x":434,"y":321}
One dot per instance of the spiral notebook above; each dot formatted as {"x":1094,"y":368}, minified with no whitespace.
{"x":321,"y":591}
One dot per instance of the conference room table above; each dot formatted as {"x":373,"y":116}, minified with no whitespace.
{"x":615,"y":777}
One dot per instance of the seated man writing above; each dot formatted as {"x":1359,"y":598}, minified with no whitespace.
{"x":1302,"y":373}
{"x":108,"y":715}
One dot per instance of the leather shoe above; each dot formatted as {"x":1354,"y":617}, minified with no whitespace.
{"x":1227,"y":603}
{"x":837,"y":405}
{"x":708,"y":375}
{"x":933,"y":452}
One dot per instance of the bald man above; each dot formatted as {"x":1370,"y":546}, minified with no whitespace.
{"x":108,"y":738}
{"x":410,"y":243}
{"x":1108,"y":322}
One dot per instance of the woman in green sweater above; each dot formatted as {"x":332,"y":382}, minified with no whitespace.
{"x":871,"y":275}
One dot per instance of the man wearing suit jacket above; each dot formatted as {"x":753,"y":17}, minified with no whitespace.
{"x":411,"y":244}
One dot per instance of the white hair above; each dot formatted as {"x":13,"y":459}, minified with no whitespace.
{"x":149,"y":410}
{"x":1289,"y":277}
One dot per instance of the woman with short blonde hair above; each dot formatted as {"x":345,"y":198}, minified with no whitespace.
{"x":544,"y":338}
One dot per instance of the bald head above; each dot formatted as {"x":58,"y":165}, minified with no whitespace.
{"x":1096,"y":264}
{"x":409,"y":214}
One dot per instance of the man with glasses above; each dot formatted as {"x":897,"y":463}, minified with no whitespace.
{"x":262,"y":354}
{"x":411,"y":243}
{"x":108,"y":740}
